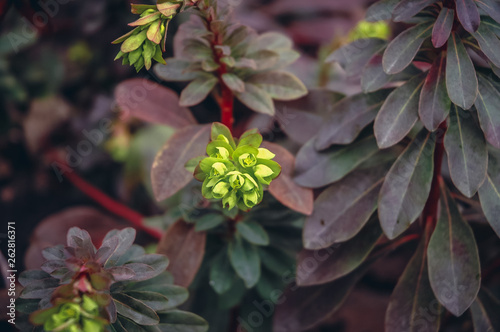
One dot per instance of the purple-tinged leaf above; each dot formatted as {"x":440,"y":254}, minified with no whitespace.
{"x":490,"y":7}
{"x":442,"y":28}
{"x":467,"y":151}
{"x":350,"y":116}
{"x":317,"y":169}
{"x":125,"y":239}
{"x":489,"y":193}
{"x":402,"y":50}
{"x":487,"y":109}
{"x":134,"y":309}
{"x":40,"y":289}
{"x":283,"y":188}
{"x":485,"y":311}
{"x":197,"y":90}
{"x":121,"y":273}
{"x":461,"y":79}
{"x":342,"y":210}
{"x":155,"y":301}
{"x":256,"y":99}
{"x":406,"y":9}
{"x":168,"y":174}
{"x":468,"y":14}
{"x":489,"y":43}
{"x":407,"y":186}
{"x":354,"y":56}
{"x":151,"y":102}
{"x":434,"y":101}
{"x":453,"y":260}
{"x":374,"y":77}
{"x":399,"y":113}
{"x":338,"y":260}
{"x":381,"y":10}
{"x":54,"y":253}
{"x":412,"y":296}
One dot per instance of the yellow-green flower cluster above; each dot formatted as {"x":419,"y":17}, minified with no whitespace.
{"x":236,"y":174}
{"x":81,"y":315}
{"x":366,"y":29}
{"x":147,"y":41}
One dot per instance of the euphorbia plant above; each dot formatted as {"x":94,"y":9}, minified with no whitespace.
{"x":430,"y":93}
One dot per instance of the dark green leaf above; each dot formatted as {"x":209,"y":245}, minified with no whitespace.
{"x":155,"y":301}
{"x":134,"y":309}
{"x":374,"y":77}
{"x":317,"y":169}
{"x":442,"y":27}
{"x":407,"y":186}
{"x":197,"y":91}
{"x":220,"y":129}
{"x":487,"y":109}
{"x":453,"y":260}
{"x":380,"y":10}
{"x":492,"y":25}
{"x":222,"y":274}
{"x":182,"y":321}
{"x":468,"y":14}
{"x":276,"y":260}
{"x":176,"y":295}
{"x":467,"y":152}
{"x":343,"y":208}
{"x":351,"y":115}
{"x":354,"y":56}
{"x":253,"y":232}
{"x":209,"y":221}
{"x":176,"y":70}
{"x":245,"y":261}
{"x":325,"y":265}
{"x":490,"y":7}
{"x":489,"y":43}
{"x":412,"y":296}
{"x":402,"y":50}
{"x":434,"y":101}
{"x":233,"y":82}
{"x":485,"y":311}
{"x":168,"y":174}
{"x":280,"y":85}
{"x":489,"y":193}
{"x":256,"y":99}
{"x":399,"y":113}
{"x":406,"y":9}
{"x":461,"y":79}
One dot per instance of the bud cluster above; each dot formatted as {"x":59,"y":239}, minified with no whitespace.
{"x":236,"y":174}
{"x":147,"y":41}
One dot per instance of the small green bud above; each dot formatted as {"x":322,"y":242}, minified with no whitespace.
{"x":236,"y":180}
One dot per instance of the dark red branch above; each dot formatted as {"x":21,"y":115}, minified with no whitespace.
{"x":431,"y":207}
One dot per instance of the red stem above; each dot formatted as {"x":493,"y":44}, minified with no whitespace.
{"x":431,"y":207}
{"x":108,"y":203}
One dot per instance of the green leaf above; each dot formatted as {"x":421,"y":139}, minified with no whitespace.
{"x":491,"y":24}
{"x":233,"y":82}
{"x":222,"y":275}
{"x":354,"y":56}
{"x":381,"y":10}
{"x":317,"y":169}
{"x":256,"y":99}
{"x":468,"y":14}
{"x":197,"y":91}
{"x":406,"y":9}
{"x":209,"y":221}
{"x":176,"y":70}
{"x":453,"y":260}
{"x":134,"y":309}
{"x":182,"y":321}
{"x":279,"y":85}
{"x":176,"y":295}
{"x":461,"y":79}
{"x":467,"y":152}
{"x":489,"y":193}
{"x":351,"y":115}
{"x":338,"y":260}
{"x":133,"y":42}
{"x":399,"y":113}
{"x":253,"y":232}
{"x":412,"y":295}
{"x":434,"y":103}
{"x":487,"y":104}
{"x":402,"y":50}
{"x":484,"y":312}
{"x":407,"y":186}
{"x":245,"y":261}
{"x":442,"y":27}
{"x":168,"y":174}
{"x":489,"y":43}
{"x":276,"y":260}
{"x":342,"y":210}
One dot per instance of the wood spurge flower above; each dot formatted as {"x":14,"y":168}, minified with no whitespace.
{"x":236,"y":173}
